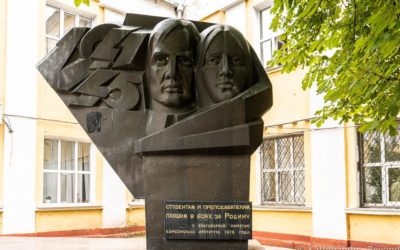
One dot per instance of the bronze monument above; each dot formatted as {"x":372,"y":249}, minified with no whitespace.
{"x":175,"y":107}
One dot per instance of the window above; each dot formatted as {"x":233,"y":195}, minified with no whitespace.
{"x":67,"y":172}
{"x":380,"y":169}
{"x":282,"y":171}
{"x":269,"y":40}
{"x":59,"y":22}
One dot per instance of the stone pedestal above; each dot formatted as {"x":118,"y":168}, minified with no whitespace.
{"x":195,"y":178}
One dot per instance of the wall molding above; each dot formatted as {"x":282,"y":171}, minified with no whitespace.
{"x":294,"y":241}
{"x":305,"y":242}
{"x":120,"y":232}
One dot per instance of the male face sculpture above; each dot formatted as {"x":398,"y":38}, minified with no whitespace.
{"x":171,"y":69}
{"x":225,"y":69}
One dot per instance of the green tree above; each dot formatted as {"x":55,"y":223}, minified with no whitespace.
{"x":352,"y":51}
{"x":79,"y":2}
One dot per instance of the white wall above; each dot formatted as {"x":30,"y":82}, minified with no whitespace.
{"x":236,"y":16}
{"x":111,"y":16}
{"x":20,"y":101}
{"x":114,"y":198}
{"x":328,"y":177}
{"x":19,"y":177}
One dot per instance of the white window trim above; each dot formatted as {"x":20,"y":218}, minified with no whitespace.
{"x":67,"y":207}
{"x":374,"y":211}
{"x":282,"y":208}
{"x":92,"y":174}
{"x":137,"y":203}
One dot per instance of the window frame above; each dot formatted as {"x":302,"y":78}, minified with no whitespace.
{"x":278,"y":202}
{"x":384,"y":168}
{"x":62,"y":12}
{"x":273,"y":38}
{"x":75,"y":172}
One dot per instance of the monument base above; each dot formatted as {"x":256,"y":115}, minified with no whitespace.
{"x":195,"y":178}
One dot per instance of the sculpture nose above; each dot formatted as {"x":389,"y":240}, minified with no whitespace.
{"x":171,"y":71}
{"x":224,"y":71}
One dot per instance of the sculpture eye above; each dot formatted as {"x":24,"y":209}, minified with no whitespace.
{"x":213,"y":60}
{"x":185,"y":61}
{"x":161,"y":60}
{"x":236,"y":60}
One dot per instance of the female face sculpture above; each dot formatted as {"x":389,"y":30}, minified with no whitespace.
{"x":224,"y":64}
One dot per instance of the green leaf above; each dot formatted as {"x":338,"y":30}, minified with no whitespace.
{"x":79,"y":2}
{"x":351,"y":54}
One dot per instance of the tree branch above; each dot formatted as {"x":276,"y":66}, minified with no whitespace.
{"x":383,"y":77}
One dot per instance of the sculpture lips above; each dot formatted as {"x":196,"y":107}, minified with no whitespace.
{"x":171,"y":87}
{"x":173,"y":90}
{"x":226,"y":85}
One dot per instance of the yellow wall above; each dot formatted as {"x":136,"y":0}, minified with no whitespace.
{"x":217,"y":17}
{"x":375,"y":228}
{"x":50,"y":107}
{"x":1,"y":222}
{"x":287,"y":222}
{"x":68,"y":220}
{"x":1,"y":163}
{"x":291,"y":102}
{"x":135,"y":216}
{"x":353,"y":200}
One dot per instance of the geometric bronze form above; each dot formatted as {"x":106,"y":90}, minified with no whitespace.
{"x":174,"y":106}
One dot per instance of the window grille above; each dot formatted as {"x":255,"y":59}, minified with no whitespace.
{"x":282,"y":171}
{"x":380,"y":170}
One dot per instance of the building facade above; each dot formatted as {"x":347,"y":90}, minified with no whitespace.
{"x":326,"y":186}
{"x":52,"y":176}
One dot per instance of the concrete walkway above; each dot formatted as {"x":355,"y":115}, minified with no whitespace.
{"x":69,"y":243}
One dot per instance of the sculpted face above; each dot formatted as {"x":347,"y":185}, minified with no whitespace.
{"x":225,"y":73}
{"x":171,"y":69}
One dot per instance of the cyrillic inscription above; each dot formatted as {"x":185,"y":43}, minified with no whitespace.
{"x":225,"y":220}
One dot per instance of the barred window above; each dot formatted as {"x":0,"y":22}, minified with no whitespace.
{"x":380,"y":170}
{"x":282,"y":171}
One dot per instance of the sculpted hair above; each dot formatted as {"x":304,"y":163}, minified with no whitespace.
{"x":206,"y":38}
{"x":165,"y":27}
